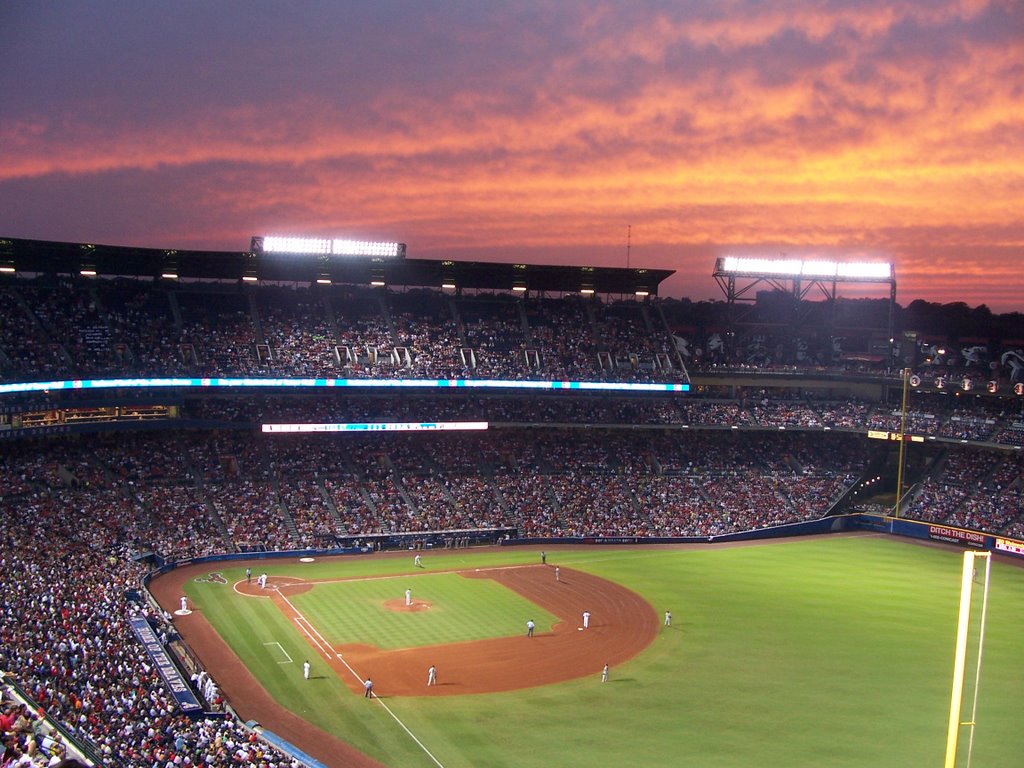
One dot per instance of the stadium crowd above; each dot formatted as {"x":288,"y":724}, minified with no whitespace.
{"x":65,"y":640}
{"x":101,"y":502}
{"x":60,"y":327}
{"x":71,"y":329}
{"x":83,"y":514}
{"x":188,"y":493}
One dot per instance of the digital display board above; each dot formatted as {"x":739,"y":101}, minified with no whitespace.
{"x":1009,"y":545}
{"x":380,"y":426}
{"x":144,"y":383}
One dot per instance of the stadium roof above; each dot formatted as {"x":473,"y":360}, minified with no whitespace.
{"x":46,"y":257}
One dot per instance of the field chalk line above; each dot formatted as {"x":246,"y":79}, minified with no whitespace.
{"x":321,"y":642}
{"x":280,"y":648}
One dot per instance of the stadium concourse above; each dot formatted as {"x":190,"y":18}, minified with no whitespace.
{"x":86,"y":513}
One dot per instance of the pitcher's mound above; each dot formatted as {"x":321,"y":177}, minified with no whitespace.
{"x":399,"y":605}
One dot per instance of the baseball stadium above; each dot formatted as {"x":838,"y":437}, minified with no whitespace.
{"x":453,"y":514}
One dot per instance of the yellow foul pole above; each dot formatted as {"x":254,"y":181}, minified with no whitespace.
{"x":959,"y":660}
{"x":903,"y":443}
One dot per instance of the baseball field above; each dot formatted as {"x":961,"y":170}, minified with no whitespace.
{"x":819,"y":651}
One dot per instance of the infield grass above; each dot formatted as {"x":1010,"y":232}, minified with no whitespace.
{"x":460,"y":610}
{"x":831,"y":651}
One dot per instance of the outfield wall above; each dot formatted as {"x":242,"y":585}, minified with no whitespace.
{"x":947,"y":534}
{"x":806,"y":528}
{"x":895,"y":526}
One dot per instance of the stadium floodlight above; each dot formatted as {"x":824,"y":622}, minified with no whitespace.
{"x":810,"y":268}
{"x":362,"y":248}
{"x":323,"y":279}
{"x":308,"y":245}
{"x":322,"y":246}
{"x":762,"y":266}
{"x":7,"y":269}
{"x":169,"y":275}
{"x":87,"y":272}
{"x":449,"y":284}
{"x":819,"y":268}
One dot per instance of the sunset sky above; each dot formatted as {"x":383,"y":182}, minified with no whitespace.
{"x":538,"y":132}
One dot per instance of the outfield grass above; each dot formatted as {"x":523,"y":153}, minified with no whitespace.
{"x":810,"y":652}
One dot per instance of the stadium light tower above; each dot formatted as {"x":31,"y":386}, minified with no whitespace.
{"x":741,"y":277}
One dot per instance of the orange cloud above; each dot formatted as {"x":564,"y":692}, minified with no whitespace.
{"x":895,"y":129}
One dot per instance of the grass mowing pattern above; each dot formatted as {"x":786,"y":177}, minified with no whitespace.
{"x":810,"y":652}
{"x":461,"y":609}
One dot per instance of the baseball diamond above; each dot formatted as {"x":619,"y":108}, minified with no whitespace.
{"x":624,"y":626}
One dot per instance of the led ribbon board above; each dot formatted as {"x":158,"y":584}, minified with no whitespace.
{"x":239,"y":383}
{"x":380,"y":426}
